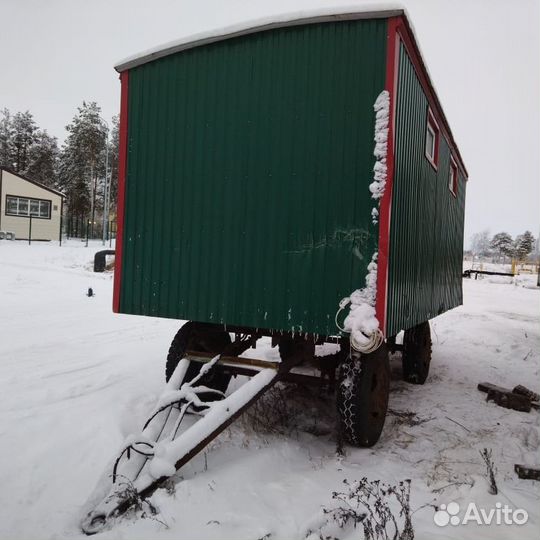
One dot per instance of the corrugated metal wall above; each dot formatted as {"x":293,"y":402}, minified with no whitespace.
{"x":249,"y":161}
{"x":426,"y":239}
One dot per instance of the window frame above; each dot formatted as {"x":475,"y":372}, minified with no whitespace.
{"x":47,"y":202}
{"x":431,"y":125}
{"x":453,"y":177}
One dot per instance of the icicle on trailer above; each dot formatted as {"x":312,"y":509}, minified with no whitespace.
{"x":265,"y":173}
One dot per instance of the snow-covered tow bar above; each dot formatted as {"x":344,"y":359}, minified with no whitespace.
{"x":195,"y":408}
{"x":165,"y":443}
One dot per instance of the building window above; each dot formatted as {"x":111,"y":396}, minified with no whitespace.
{"x":432,"y":140}
{"x":453,"y":178}
{"x":26,"y":207}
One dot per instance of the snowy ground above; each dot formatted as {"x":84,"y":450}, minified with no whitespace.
{"x":75,"y":379}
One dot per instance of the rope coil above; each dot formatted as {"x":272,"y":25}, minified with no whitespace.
{"x":368,"y":343}
{"x":371,"y":343}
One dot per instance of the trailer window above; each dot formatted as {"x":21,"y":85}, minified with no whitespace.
{"x":453,"y":178}
{"x":25,"y":207}
{"x":432,"y":140}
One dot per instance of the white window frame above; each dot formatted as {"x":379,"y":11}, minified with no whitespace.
{"x":44,"y":207}
{"x":453,"y":177}
{"x":433,"y":128}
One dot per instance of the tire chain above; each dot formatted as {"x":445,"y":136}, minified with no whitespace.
{"x":349,"y":373}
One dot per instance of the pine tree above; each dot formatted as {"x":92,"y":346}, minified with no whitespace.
{"x":82,"y":162}
{"x":73,"y":181}
{"x":523,"y":245}
{"x":6,"y":139}
{"x":24,"y":129}
{"x":43,"y":159}
{"x":503,"y":244}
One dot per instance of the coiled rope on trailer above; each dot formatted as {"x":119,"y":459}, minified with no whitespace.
{"x":371,"y":343}
{"x":367,"y":343}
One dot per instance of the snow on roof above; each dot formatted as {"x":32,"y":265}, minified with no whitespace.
{"x":293,"y":18}
{"x":379,"y":10}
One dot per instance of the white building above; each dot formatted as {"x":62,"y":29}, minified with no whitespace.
{"x":29,"y":209}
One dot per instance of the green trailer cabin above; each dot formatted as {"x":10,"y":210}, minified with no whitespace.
{"x":246,"y":161}
{"x":294,"y":179}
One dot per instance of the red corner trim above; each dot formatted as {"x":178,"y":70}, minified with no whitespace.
{"x":122,"y":163}
{"x":406,"y":35}
{"x":392,"y":51}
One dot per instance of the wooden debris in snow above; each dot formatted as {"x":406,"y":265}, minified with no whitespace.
{"x":522,"y":390}
{"x":527,"y":473}
{"x":519,"y":399}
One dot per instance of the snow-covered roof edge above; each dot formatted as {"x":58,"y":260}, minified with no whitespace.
{"x":35,"y":182}
{"x":365,"y":11}
{"x":380,"y":10}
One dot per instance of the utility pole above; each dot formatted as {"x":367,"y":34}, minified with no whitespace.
{"x":92,"y":203}
{"x":538,"y":260}
{"x":106,"y":190}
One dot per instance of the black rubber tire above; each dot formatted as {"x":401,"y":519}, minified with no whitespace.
{"x":296,"y":350}
{"x":362,"y":397}
{"x":199,"y":337}
{"x":416,"y":357}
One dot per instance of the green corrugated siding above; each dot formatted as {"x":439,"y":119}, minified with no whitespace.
{"x":426,"y":239}
{"x":249,"y":161}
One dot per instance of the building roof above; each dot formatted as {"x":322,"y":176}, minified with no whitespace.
{"x":39,"y":184}
{"x":379,"y":10}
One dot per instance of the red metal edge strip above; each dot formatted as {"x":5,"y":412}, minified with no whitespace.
{"x":386,"y":201}
{"x":406,"y":35}
{"x":122,"y":166}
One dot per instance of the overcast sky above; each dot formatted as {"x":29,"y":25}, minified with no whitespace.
{"x":483,"y":55}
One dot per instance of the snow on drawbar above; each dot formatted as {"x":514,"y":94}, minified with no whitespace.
{"x":361,"y":322}
{"x":162,"y":446}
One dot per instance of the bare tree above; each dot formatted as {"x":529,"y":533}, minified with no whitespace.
{"x":480,"y":243}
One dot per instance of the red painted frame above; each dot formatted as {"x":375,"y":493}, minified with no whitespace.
{"x":399,"y":31}
{"x":392,"y":51}
{"x":122,"y":167}
{"x":406,"y":36}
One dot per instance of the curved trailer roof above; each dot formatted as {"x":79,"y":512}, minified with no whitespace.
{"x":373,"y":11}
{"x":369,"y":11}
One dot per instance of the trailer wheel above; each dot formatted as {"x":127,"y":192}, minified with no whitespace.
{"x":417,"y":353}
{"x":199,"y":337}
{"x":362,"y":397}
{"x":297,"y":350}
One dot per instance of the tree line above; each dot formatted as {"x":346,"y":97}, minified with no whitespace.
{"x":502,"y":245}
{"x":79,"y":168}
